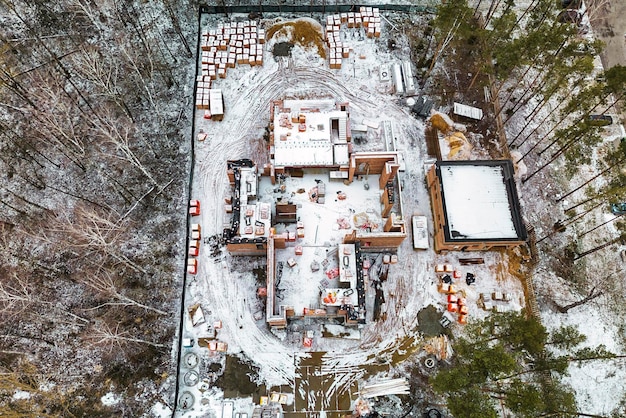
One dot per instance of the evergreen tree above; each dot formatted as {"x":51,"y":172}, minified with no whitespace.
{"x":504,"y":359}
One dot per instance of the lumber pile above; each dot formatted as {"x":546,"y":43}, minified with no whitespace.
{"x":439,"y":347}
{"x":388,"y":387}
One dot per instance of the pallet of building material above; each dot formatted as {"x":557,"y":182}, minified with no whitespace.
{"x":468,"y":261}
{"x":439,"y":347}
{"x":388,"y":387}
{"x":196,"y":315}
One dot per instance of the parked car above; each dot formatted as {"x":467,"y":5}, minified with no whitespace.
{"x":618,"y":208}
{"x":570,"y":16}
{"x":600,"y":120}
{"x":571,"y":4}
{"x":575,"y":17}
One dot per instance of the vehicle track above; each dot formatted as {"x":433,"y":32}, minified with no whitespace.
{"x":231,"y":141}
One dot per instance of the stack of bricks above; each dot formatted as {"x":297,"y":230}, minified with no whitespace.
{"x":371,"y":21}
{"x":230,"y":44}
{"x":224,"y":47}
{"x":203,"y":84}
{"x":367,"y":18}
{"x":333,"y":40}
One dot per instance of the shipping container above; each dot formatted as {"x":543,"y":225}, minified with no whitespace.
{"x":396,"y":76}
{"x":407,"y":77}
{"x":228,"y":409}
{"x":216,"y":103}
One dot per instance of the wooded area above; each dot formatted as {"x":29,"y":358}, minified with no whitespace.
{"x":95,"y":128}
{"x":542,"y":69}
{"x":95,"y":120}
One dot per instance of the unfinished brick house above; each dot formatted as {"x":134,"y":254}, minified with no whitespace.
{"x":313,"y":210}
{"x":475,"y":205}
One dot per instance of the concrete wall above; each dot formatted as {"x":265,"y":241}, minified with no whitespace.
{"x":275,"y":315}
{"x":381,"y":241}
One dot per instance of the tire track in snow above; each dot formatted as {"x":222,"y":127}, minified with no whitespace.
{"x":221,"y":292}
{"x":265,"y":350}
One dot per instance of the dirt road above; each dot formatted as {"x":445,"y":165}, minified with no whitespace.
{"x":609,"y":24}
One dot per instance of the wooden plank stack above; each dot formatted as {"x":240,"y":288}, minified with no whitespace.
{"x":398,"y":386}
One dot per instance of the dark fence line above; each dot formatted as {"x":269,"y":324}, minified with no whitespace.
{"x":181,"y":324}
{"x":312,"y":8}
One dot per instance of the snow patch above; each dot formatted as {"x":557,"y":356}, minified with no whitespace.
{"x":599,"y":384}
{"x":161,"y":411}
{"x":21,"y":394}
{"x":110,"y":399}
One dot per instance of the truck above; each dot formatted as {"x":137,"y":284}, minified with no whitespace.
{"x":420,"y":232}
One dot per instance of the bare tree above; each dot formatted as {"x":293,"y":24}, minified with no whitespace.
{"x":114,"y":338}
{"x":596,"y":10}
{"x":104,"y":75}
{"x":103,"y":282}
{"x":19,"y":298}
{"x":591,"y":295}
{"x":15,"y":296}
{"x":92,"y":231}
{"x":60,"y":124}
{"x":119,"y":135}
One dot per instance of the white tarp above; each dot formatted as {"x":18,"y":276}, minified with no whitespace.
{"x":468,"y":111}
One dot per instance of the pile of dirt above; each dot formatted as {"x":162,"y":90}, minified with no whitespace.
{"x":460,"y":148}
{"x":303,"y":32}
{"x":282,"y":49}
{"x":428,"y":320}
{"x":238,"y":379}
{"x":439,"y":121}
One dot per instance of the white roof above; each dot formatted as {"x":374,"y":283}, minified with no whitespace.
{"x":215,"y":101}
{"x":314,"y":145}
{"x":468,"y":111}
{"x":341,"y":154}
{"x":477,"y":202}
{"x":420,"y":232}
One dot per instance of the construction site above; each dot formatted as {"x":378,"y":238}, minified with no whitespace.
{"x":309,"y":166}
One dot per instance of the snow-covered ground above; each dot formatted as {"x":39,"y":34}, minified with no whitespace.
{"x":226,"y":287}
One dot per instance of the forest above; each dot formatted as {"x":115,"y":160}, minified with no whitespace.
{"x":95,"y":107}
{"x":541,"y":68}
